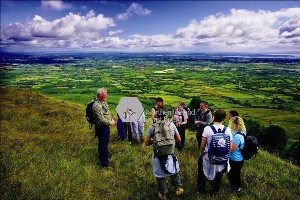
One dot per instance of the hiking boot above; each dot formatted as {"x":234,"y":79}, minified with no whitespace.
{"x":162,"y":196}
{"x":238,"y":192}
{"x":179,"y":191}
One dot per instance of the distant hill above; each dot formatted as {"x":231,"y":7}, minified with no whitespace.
{"x":48,"y":152}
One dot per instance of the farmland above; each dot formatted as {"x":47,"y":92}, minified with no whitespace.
{"x":263,"y":88}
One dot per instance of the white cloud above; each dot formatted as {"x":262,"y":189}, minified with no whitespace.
{"x":70,"y":26}
{"x":114,"y":33}
{"x":134,"y":8}
{"x":291,"y":28}
{"x":244,"y":29}
{"x":56,"y":5}
{"x":240,"y":30}
{"x":123,"y":16}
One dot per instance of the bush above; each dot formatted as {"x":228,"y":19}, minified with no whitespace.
{"x":293,"y":153}
{"x":253,"y":127}
{"x":273,"y":138}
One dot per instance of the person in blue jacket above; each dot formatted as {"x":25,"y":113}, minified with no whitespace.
{"x":236,"y":159}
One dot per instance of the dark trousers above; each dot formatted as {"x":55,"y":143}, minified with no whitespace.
{"x":181,"y":130}
{"x":128,"y":130}
{"x":199,"y":135}
{"x":234,"y":175}
{"x":201,"y":180}
{"x":102,"y":132}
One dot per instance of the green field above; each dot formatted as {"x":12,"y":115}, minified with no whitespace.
{"x":268,"y":92}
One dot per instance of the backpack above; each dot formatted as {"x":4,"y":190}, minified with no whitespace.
{"x":180,"y":118}
{"x":89,"y":114}
{"x":219,"y":147}
{"x":154,"y":121}
{"x":250,"y":146}
{"x":163,"y":139}
{"x":203,"y":118}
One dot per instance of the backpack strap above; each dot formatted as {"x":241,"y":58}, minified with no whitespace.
{"x":163,"y":159}
{"x":224,"y":129}
{"x":155,"y":109}
{"x":240,"y":133}
{"x":215,"y":131}
{"x":206,"y":112}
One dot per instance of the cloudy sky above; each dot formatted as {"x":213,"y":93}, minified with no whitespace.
{"x":143,"y":26}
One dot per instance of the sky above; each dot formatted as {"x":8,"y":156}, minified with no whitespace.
{"x":151,"y":26}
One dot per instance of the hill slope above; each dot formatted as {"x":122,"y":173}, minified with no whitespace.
{"x":48,"y":152}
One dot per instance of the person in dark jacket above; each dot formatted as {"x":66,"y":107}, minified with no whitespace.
{"x":203,"y":118}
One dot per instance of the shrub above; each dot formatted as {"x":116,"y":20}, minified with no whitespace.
{"x":273,"y":138}
{"x":253,"y":127}
{"x":293,"y":153}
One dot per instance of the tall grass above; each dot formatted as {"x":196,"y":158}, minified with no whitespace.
{"x":48,"y":152}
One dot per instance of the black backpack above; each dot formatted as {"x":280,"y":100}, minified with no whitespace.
{"x":205,"y":114}
{"x":89,"y":114}
{"x":250,"y":146}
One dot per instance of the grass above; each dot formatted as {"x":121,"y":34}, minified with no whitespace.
{"x":48,"y":152}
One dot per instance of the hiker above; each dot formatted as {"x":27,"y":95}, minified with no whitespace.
{"x":138,"y":128}
{"x":159,"y":103}
{"x":128,"y":125}
{"x":232,"y":113}
{"x":206,"y":169}
{"x":103,"y":120}
{"x":236,"y":159}
{"x":164,"y":132}
{"x":203,"y":118}
{"x":180,"y":119}
{"x":121,"y":129}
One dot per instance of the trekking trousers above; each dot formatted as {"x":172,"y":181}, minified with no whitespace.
{"x":161,"y":183}
{"x":201,"y":179}
{"x":181,"y":130}
{"x":234,"y":175}
{"x":102,"y":132}
{"x":199,"y":135}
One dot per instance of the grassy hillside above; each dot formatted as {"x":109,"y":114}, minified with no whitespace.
{"x":48,"y":152}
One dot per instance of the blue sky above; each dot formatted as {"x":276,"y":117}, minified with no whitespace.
{"x":143,"y":26}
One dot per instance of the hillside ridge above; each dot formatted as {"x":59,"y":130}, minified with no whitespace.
{"x":48,"y":152}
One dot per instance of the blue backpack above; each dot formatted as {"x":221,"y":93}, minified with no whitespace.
{"x":219,"y":147}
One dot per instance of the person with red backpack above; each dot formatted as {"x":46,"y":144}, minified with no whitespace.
{"x":214,"y":153}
